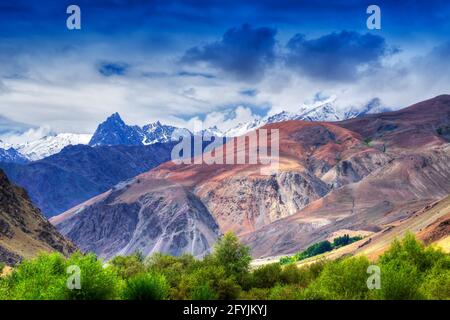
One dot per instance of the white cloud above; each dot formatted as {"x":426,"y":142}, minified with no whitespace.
{"x":29,"y":135}
{"x":223,"y":120}
{"x":64,"y":91}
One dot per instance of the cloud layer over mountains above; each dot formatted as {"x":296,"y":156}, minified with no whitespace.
{"x":178,"y":61}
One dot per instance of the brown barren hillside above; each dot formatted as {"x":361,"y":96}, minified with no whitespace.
{"x":360,"y":175}
{"x":242,"y":200}
{"x":24,"y":232}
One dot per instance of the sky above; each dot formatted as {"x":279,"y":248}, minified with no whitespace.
{"x":219,"y":62}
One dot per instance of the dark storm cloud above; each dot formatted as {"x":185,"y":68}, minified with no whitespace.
{"x":243,"y":52}
{"x":336,"y":56}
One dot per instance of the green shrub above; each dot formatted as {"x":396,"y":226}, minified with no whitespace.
{"x":128,"y":266}
{"x":97,"y":281}
{"x":287,"y":260}
{"x":267,"y":276}
{"x":287,"y":292}
{"x":46,"y":277}
{"x":316,"y":268}
{"x":411,"y":252}
{"x":291,"y":274}
{"x":172,"y":267}
{"x":223,"y":286}
{"x":43,"y":278}
{"x":203,"y":292}
{"x":256,"y":294}
{"x":4,"y":289}
{"x":343,"y":279}
{"x":436,"y":286}
{"x":399,"y":281}
{"x":146,"y":286}
{"x":409,"y":270}
{"x":2,"y":266}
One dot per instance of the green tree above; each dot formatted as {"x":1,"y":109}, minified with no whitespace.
{"x":232,"y":255}
{"x":267,"y":276}
{"x":45,"y":278}
{"x":42,"y":278}
{"x":314,"y":250}
{"x":342,"y":279}
{"x":98,"y":282}
{"x":291,"y":274}
{"x":286,"y":292}
{"x":173,"y":268}
{"x":436,"y":286}
{"x":221,"y":285}
{"x":203,"y":292}
{"x":128,"y":266}
{"x":407,"y":266}
{"x":256,"y":294}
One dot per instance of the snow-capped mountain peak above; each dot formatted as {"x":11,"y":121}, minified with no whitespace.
{"x":210,"y":132}
{"x":51,"y":144}
{"x":157,"y":132}
{"x":4,"y":145}
{"x":321,"y":109}
{"x":114,"y":131}
{"x":9,"y":154}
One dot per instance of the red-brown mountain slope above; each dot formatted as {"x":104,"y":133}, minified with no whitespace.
{"x":358,"y":174}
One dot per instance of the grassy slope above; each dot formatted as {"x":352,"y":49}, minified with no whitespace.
{"x":422,"y":223}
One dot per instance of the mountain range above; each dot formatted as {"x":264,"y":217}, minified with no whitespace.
{"x":51,"y":144}
{"x":77,"y":173}
{"x":363,"y":174}
{"x":9,"y":154}
{"x":319,"y":110}
{"x":114,"y":131}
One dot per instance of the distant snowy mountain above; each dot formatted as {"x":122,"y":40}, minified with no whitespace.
{"x":374,"y":106}
{"x":210,"y":132}
{"x":114,"y":131}
{"x":157,"y":132}
{"x":9,"y":154}
{"x":320,"y":110}
{"x":49,"y":145}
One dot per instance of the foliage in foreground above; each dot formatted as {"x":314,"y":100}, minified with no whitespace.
{"x":46,"y":278}
{"x":409,"y":270}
